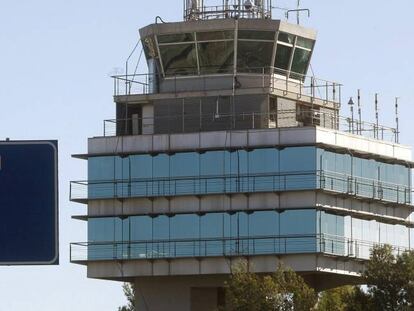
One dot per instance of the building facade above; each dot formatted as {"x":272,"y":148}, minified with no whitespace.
{"x":227,"y":150}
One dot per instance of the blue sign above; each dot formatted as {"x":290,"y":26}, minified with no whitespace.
{"x":29,"y":203}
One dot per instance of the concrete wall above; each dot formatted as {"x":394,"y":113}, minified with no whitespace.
{"x":321,"y":271}
{"x":249,"y":139}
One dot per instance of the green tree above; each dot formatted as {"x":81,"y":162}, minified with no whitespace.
{"x":129,"y":292}
{"x":346,"y":298}
{"x":335,"y":299}
{"x":283,"y":291}
{"x":388,"y":279}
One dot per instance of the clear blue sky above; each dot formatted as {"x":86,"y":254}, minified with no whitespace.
{"x":56,"y":57}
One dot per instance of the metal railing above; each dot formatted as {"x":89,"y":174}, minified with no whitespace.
{"x":229,"y":11}
{"x":187,"y":123}
{"x":82,"y":191}
{"x":307,"y":88}
{"x":223,"y":247}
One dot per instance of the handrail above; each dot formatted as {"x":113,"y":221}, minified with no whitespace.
{"x":224,"y":246}
{"x":185,"y":123}
{"x":269,"y":77}
{"x":241,"y":183}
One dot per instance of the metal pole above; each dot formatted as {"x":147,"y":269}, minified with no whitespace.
{"x":359,"y":112}
{"x":397,"y":121}
{"x":376,"y":132}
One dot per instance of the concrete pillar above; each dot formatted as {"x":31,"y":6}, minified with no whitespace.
{"x":192,"y":293}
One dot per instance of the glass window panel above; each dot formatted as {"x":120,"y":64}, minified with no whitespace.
{"x":161,"y":228}
{"x":212,"y":163}
{"x":212,"y":226}
{"x":357,"y":229}
{"x":141,"y":166}
{"x":185,"y":164}
{"x":185,"y":227}
{"x":254,"y":56}
{"x":299,"y":166}
{"x":101,"y":229}
{"x":101,"y":168}
{"x":285,"y":37}
{"x":175,"y":38}
{"x":298,"y":222}
{"x":401,"y":236}
{"x":215,"y":35}
{"x":283,"y":55}
{"x":296,"y":159}
{"x":239,"y":225}
{"x":264,"y":161}
{"x":141,"y":228}
{"x":264,"y":223}
{"x":293,"y":226}
{"x":305,"y":43}
{"x":179,"y":59}
{"x":257,"y":35}
{"x":161,"y":166}
{"x":300,"y":63}
{"x":216,"y":57}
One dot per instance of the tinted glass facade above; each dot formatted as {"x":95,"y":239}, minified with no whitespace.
{"x":219,"y":52}
{"x":260,"y":232}
{"x":214,"y":234}
{"x":241,"y":171}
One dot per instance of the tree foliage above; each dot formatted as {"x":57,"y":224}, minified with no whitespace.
{"x":390,"y":279}
{"x":129,"y":292}
{"x":283,"y":291}
{"x":390,"y":285}
{"x":347,"y":298}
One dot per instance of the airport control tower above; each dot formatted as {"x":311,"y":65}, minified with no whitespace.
{"x":226,"y":150}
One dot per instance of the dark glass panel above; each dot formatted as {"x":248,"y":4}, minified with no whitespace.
{"x":285,"y":37}
{"x":283,"y":55}
{"x":254,"y":56}
{"x":257,"y":35}
{"x":216,"y":57}
{"x":179,"y":59}
{"x":176,"y":38}
{"x":215,"y":35}
{"x":300,"y":63}
{"x":305,"y":43}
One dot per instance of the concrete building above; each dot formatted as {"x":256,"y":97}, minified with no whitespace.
{"x":227,"y":150}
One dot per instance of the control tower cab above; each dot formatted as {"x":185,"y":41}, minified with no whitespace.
{"x":232,"y":63}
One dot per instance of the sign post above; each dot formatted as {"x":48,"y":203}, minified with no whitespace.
{"x":29,"y":203}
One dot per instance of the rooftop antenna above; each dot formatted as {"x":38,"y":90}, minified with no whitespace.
{"x":397,"y":121}
{"x":297,"y":11}
{"x":376,"y":130}
{"x":351,"y":125}
{"x":359,"y":127}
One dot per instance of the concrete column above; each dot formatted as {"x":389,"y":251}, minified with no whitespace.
{"x":179,"y":293}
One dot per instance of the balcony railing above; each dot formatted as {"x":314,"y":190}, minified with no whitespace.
{"x":306,"y":88}
{"x":227,"y":11}
{"x":187,"y":123}
{"x":81,"y":191}
{"x":223,"y":247}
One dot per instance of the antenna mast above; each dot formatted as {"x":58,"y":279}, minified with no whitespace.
{"x":397,"y":121}
{"x":298,"y":10}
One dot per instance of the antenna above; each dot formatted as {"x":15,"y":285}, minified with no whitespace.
{"x":351,"y":125}
{"x":376,"y":129}
{"x":359,"y":112}
{"x":297,"y":11}
{"x":397,"y":121}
